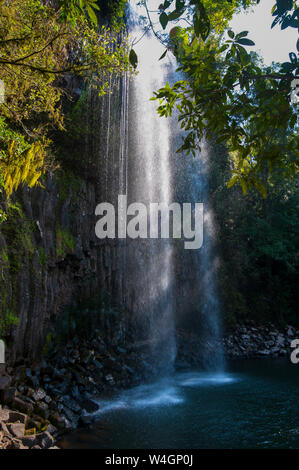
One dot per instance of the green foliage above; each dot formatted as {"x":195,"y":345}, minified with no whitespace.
{"x":229,"y":93}
{"x":258,"y":244}
{"x":20,"y":161}
{"x":39,"y":44}
{"x":71,"y":9}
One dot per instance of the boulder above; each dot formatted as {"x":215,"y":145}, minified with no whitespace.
{"x":89,"y":405}
{"x":44,"y":440}
{"x":15,"y":417}
{"x":22,"y":405}
{"x":4,"y":415}
{"x":5,"y":381}
{"x":8,"y":395}
{"x":16,"y":429}
{"x":39,"y":394}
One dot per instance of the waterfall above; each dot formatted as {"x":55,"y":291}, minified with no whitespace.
{"x":163,"y":287}
{"x":150,"y":180}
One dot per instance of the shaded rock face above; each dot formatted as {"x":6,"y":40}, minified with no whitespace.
{"x":49,"y":254}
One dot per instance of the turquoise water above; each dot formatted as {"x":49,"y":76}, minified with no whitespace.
{"x":255,"y":404}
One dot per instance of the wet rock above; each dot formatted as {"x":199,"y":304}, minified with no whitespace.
{"x":72,"y":404}
{"x":109,"y":378}
{"x":89,"y":405}
{"x":86,"y":420}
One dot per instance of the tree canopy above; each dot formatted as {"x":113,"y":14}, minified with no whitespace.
{"x":40,"y":42}
{"x":227,"y":91}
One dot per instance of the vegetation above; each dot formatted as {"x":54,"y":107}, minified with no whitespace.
{"x":64,"y":242}
{"x":41,"y":42}
{"x":8,"y":321}
{"x":228,"y":92}
{"x":229,"y":97}
{"x":258,"y":243}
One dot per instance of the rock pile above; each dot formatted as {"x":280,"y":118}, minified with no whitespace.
{"x":259,"y":341}
{"x":16,"y":432}
{"x":60,"y":393}
{"x":243,"y":342}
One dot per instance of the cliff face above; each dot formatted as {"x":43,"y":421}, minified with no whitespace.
{"x":50,"y":258}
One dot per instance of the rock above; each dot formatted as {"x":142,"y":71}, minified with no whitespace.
{"x":57,"y":420}
{"x":72,"y":404}
{"x":33,"y":381}
{"x":15,"y":444}
{"x":4,"y":415}
{"x":291,"y":331}
{"x":51,"y":429}
{"x":22,"y":405}
{"x":5,"y":381}
{"x":264,"y":352}
{"x":98,"y":364}
{"x":71,"y":417}
{"x":109,"y":378}
{"x":86,"y":420}
{"x":42,"y":409}
{"x":3,"y":428}
{"x":89,"y":405}
{"x":39,"y":395}
{"x":44,"y":440}
{"x":16,"y":429}
{"x":15,"y":416}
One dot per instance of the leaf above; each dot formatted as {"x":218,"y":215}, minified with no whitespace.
{"x":242,"y":34}
{"x":298,"y":45}
{"x":293,"y":58}
{"x":201,"y":26}
{"x":232,"y":181}
{"x":163,"y":55}
{"x":287,"y":67}
{"x":133,"y":58}
{"x":286,"y":22}
{"x":277,"y":19}
{"x":246,"y":42}
{"x":179,"y":4}
{"x":174,"y":15}
{"x":231,"y":34}
{"x":92,"y":15}
{"x":163,"y":19}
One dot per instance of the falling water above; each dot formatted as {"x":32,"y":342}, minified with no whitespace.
{"x":164,"y":287}
{"x":150,"y":262}
{"x":156,"y":174}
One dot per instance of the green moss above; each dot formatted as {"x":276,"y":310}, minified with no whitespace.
{"x":7,"y":321}
{"x":68,"y":183}
{"x":43,"y":258}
